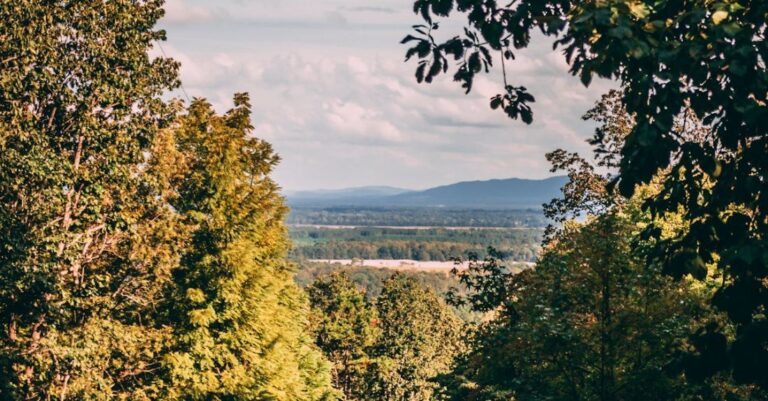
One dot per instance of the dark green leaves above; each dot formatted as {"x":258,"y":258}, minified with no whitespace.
{"x":426,"y":8}
{"x":515,"y":103}
{"x":668,"y":57}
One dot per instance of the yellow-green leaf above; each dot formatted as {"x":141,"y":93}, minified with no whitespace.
{"x":639,"y":10}
{"x":719,"y":16}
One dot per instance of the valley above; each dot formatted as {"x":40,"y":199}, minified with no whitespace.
{"x":342,"y":228}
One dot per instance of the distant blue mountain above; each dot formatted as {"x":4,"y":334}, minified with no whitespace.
{"x":512,"y":193}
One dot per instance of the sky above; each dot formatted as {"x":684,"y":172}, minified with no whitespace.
{"x":331,"y":92}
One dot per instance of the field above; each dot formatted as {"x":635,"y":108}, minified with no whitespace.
{"x":431,"y":241}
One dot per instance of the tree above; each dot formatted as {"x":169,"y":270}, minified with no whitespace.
{"x":79,"y":108}
{"x":343,"y":326}
{"x":707,"y":56}
{"x":420,"y":337}
{"x":240,"y":323}
{"x":592,"y":321}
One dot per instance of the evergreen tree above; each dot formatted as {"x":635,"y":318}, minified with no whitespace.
{"x":79,"y":107}
{"x":240,"y":323}
{"x":343,"y":326}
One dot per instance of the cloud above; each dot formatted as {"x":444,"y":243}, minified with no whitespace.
{"x":336,"y":18}
{"x":342,"y":108}
{"x":186,"y":11}
{"x":372,"y":9}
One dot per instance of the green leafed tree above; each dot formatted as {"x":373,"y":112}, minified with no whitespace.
{"x":707,"y":56}
{"x":342,"y":321}
{"x":79,"y":108}
{"x":240,"y":323}
{"x":419,"y":339}
{"x":591,"y":321}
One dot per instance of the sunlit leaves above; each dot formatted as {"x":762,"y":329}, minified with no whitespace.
{"x":86,"y":242}
{"x":420,"y":337}
{"x":719,"y":16}
{"x":234,"y":309}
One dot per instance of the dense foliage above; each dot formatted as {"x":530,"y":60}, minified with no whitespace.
{"x":591,"y":321}
{"x":239,"y":320}
{"x":79,"y":106}
{"x":419,"y":217}
{"x":370,"y":281}
{"x":345,"y":329}
{"x":672,"y":58}
{"x":143,"y":246}
{"x":388,"y":348}
{"x":423,"y":244}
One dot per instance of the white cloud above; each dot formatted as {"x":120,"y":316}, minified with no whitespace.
{"x":186,"y":11}
{"x":342,"y":109}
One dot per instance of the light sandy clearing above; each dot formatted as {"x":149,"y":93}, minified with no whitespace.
{"x":450,"y":228}
{"x":397,"y":264}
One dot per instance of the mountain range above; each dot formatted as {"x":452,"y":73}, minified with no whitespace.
{"x":511,"y":193}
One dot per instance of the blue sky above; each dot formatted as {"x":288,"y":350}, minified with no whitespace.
{"x":332,"y":94}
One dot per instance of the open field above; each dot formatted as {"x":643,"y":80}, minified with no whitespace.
{"x":402,"y":264}
{"x":396,"y":264}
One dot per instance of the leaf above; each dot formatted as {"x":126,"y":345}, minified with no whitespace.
{"x":731,"y":29}
{"x":719,"y":16}
{"x":639,"y":10}
{"x":496,"y":102}
{"x":586,"y":76}
{"x":408,"y":39}
{"x":420,"y":72}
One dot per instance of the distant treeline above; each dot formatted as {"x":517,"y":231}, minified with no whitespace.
{"x":436,"y":244}
{"x":404,"y":217}
{"x":371,"y":281}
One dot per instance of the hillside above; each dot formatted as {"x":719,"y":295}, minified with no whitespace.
{"x":512,"y":193}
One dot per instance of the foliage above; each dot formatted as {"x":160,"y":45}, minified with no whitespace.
{"x":239,"y":321}
{"x":415,"y":244}
{"x":343,"y":323}
{"x":707,"y":56}
{"x":370,"y":280}
{"x":388,"y":348}
{"x":420,"y":337}
{"x":79,"y":108}
{"x":143,"y":252}
{"x":591,"y":321}
{"x":419,"y":217}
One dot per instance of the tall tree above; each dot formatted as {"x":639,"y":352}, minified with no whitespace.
{"x":709,"y":56}
{"x":240,"y":323}
{"x":592,"y":321}
{"x":420,"y":337}
{"x":343,"y":326}
{"x":79,"y":106}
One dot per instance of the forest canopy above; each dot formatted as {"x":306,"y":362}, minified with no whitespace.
{"x":673,"y":61}
{"x":144,"y":249}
